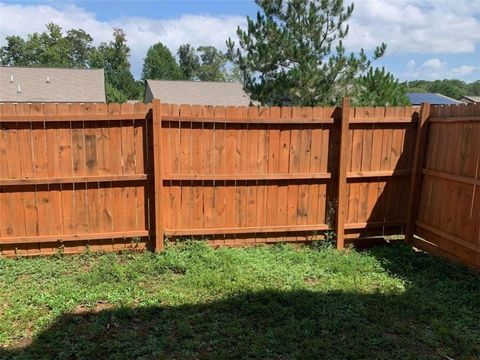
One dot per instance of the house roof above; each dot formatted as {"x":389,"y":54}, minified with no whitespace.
{"x":198,"y":92}
{"x":431,"y":98}
{"x":472,"y":98}
{"x":28,"y":84}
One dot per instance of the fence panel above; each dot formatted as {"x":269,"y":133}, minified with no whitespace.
{"x":72,"y":176}
{"x":449,"y":213}
{"x":244,"y":175}
{"x":240,"y":175}
{"x":381,"y":145}
{"x":112,"y":176}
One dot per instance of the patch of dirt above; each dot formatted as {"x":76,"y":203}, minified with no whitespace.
{"x":21,"y":343}
{"x":99,"y":306}
{"x":311,"y":281}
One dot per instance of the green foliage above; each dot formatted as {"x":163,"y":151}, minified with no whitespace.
{"x":474,"y":88}
{"x":449,"y":87}
{"x":113,"y":57}
{"x":50,"y":48}
{"x":379,"y":88}
{"x":189,"y":61}
{"x":212,"y":64}
{"x":206,"y":63}
{"x":114,"y":95}
{"x":159,"y":64}
{"x":293,"y":54}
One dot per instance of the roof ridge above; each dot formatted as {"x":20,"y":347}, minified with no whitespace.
{"x":48,"y":68}
{"x":198,"y":81}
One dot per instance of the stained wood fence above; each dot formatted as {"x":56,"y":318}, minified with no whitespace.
{"x":124,"y":176}
{"x":448,"y":217}
{"x":73,"y":177}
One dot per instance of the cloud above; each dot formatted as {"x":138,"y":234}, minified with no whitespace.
{"x":142,"y":32}
{"x":464,"y":70}
{"x":416,"y":26}
{"x":434,"y":68}
{"x":407,"y":26}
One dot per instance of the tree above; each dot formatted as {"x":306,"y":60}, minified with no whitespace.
{"x":50,"y":48}
{"x":14,"y":52}
{"x":293,"y":53}
{"x":113,"y":57}
{"x":206,"y":63}
{"x":474,"y":88}
{"x":212,"y":66}
{"x":159,"y":64}
{"x":451,"y":88}
{"x":379,"y":88}
{"x":189,"y":61}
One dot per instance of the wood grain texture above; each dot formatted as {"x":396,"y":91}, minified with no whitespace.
{"x":448,"y":220}
{"x":104,"y":175}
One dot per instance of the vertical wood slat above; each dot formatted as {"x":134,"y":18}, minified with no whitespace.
{"x":342,"y":173}
{"x":158,"y":178}
{"x":418,"y":159}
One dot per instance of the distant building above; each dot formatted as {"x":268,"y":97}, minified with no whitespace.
{"x":431,"y":98}
{"x":30,"y":85}
{"x":196,"y":92}
{"x":470,"y":99}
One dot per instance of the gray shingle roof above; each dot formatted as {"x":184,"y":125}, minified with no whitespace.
{"x":197,"y":93}
{"x":471,"y":98}
{"x":25,"y":84}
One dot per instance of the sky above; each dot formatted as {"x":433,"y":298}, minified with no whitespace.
{"x":426,"y":39}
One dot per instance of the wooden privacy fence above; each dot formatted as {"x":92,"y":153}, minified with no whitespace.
{"x":447,"y":219}
{"x":241,"y":175}
{"x":115,"y":176}
{"x":73,"y":176}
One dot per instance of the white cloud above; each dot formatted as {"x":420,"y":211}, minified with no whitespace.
{"x":407,"y":26}
{"x":142,"y":32}
{"x":464,"y":70}
{"x":416,"y":26}
{"x":434,"y":65}
{"x":434,"y":68}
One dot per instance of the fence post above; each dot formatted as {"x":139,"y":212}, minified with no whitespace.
{"x":418,"y":159}
{"x":342,"y":174}
{"x":157,"y":174}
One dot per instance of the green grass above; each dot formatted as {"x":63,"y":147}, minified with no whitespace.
{"x":275,"y":302}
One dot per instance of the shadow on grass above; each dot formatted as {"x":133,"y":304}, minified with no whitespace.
{"x":437,"y":316}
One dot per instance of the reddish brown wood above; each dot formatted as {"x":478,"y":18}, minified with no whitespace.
{"x":230,"y":175}
{"x":448,"y":220}
{"x":158,"y":178}
{"x":418,"y":159}
{"x":342,"y":174}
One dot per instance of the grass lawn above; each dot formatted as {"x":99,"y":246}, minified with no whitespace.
{"x":275,"y":302}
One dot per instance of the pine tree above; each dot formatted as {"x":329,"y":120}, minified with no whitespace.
{"x":293,"y":52}
{"x":379,"y":88}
